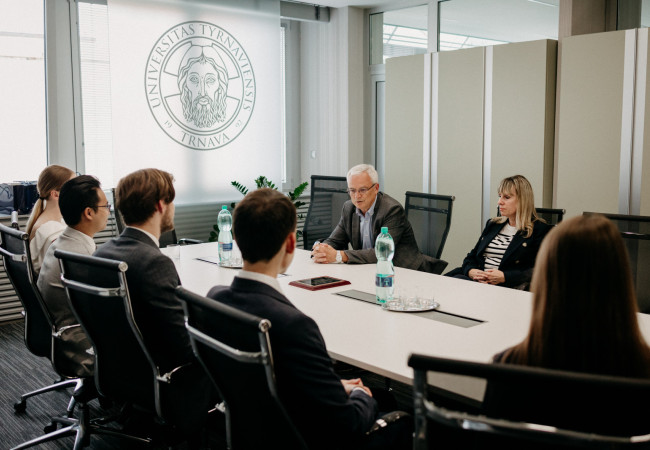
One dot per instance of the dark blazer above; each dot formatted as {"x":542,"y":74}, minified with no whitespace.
{"x":152,"y":279}
{"x":309,"y":388}
{"x":518,"y":260}
{"x":388,"y":213}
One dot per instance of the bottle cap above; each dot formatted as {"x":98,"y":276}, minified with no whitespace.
{"x":224,"y":207}
{"x":384,"y":230}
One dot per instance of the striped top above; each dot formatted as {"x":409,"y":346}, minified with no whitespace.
{"x":495,"y":250}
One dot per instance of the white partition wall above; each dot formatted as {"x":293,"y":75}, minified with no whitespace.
{"x":457,"y":144}
{"x":522,"y":117}
{"x":596,"y":91}
{"x":405,"y":100}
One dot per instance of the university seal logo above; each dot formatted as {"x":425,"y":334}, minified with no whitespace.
{"x":200,"y":85}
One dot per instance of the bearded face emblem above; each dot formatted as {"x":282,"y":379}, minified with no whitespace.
{"x":203,"y":82}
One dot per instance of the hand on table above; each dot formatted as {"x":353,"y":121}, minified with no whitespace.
{"x":487,"y":276}
{"x":323,"y":254}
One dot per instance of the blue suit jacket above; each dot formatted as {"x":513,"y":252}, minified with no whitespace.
{"x":309,"y":388}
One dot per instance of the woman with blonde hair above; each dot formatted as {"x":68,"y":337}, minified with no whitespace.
{"x":505,"y":253}
{"x":46,"y":223}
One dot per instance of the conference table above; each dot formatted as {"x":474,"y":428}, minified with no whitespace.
{"x":474,"y":321}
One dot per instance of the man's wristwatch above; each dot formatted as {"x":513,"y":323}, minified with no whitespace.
{"x":339,"y":257}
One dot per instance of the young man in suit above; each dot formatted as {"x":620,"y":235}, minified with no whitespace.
{"x":361,"y":220}
{"x":145,"y":200}
{"x":328,"y":412}
{"x":85,"y":211}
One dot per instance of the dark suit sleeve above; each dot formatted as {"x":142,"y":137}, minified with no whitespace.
{"x":518,"y":276}
{"x":395,"y":220}
{"x":315,"y":387}
{"x":472,"y":260}
{"x":339,"y":238}
{"x":159,"y":281}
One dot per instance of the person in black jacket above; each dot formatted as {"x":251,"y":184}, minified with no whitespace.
{"x":505,"y":253}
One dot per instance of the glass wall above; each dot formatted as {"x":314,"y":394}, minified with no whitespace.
{"x":22,"y":91}
{"x":400,"y":32}
{"x":473,"y":23}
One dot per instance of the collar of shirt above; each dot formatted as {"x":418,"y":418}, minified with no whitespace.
{"x":153,"y":238}
{"x":83,"y":237}
{"x":370,"y":211}
{"x":255,"y":276}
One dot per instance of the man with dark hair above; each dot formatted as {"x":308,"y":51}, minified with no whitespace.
{"x":145,"y":200}
{"x":329,"y":412}
{"x":85,"y":211}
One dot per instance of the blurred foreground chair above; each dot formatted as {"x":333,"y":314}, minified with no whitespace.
{"x":430,"y":218}
{"x":124,"y":369}
{"x":528,"y":407}
{"x":39,"y":328}
{"x":235,"y":349}
{"x":635,"y":231}
{"x":328,"y":194}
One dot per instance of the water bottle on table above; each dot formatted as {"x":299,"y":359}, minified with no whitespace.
{"x":224,"y":221}
{"x":385,"y":275}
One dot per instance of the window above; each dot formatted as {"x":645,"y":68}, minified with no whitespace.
{"x":96,"y":91}
{"x":476,"y":23}
{"x":22,"y":91}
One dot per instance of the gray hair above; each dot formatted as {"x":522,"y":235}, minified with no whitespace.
{"x":364,"y":168}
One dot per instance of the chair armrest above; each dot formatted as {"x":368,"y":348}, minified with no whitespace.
{"x":390,"y":419}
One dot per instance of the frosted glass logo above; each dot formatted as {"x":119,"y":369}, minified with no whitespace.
{"x":200,"y":85}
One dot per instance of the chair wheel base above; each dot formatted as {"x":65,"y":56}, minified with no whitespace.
{"x":50,"y":428}
{"x":20,"y":407}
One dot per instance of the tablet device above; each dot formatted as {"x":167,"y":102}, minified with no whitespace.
{"x":317,"y":283}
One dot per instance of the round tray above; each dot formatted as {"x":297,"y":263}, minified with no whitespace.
{"x":435,"y":305}
{"x":230,"y":265}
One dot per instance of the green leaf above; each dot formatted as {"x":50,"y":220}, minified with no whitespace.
{"x":298,"y":191}
{"x":240,"y":187}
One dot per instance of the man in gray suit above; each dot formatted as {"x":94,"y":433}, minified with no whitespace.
{"x":361,"y":220}
{"x":85,"y":211}
{"x":145,"y":199}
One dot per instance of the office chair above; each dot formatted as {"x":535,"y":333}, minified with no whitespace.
{"x":235,"y":349}
{"x":552,"y":216}
{"x":528,"y":407}
{"x":124,"y":368}
{"x":328,"y":194}
{"x":39,"y":325}
{"x":635,"y":231}
{"x":430,"y":218}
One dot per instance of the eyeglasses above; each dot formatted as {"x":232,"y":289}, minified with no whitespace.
{"x":108,"y":206}
{"x":362,"y":191}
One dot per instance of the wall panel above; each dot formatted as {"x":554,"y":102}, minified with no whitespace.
{"x":404,"y":125}
{"x":591,"y":84}
{"x":459,"y":140}
{"x":523,"y":117}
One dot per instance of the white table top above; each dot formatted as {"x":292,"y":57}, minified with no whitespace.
{"x":366,"y":336}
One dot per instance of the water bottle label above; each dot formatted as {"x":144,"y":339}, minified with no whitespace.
{"x":384,"y":281}
{"x":225,"y":247}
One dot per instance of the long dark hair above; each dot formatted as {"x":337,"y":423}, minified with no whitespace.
{"x":584,"y":309}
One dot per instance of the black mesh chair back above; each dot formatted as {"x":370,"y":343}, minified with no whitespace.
{"x":530,"y":406}
{"x":235,"y":350}
{"x":99,"y":296}
{"x":430,"y":218}
{"x":552,"y":216}
{"x":17,"y":263}
{"x":328,"y":194}
{"x":635,"y":231}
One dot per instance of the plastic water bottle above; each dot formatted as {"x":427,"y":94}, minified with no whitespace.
{"x":224,"y":221}
{"x":385,"y":275}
